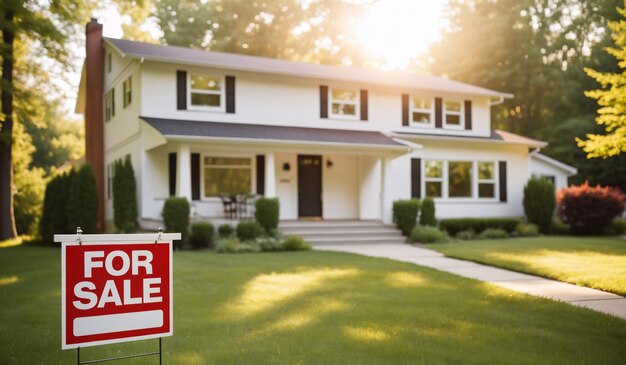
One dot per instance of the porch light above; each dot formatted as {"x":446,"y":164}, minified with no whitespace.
{"x":286,"y":166}
{"x":329,"y":163}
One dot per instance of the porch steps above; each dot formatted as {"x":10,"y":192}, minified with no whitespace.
{"x":342,"y":232}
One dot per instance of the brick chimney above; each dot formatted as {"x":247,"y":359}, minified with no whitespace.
{"x":94,"y":114}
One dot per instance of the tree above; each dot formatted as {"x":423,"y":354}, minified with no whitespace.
{"x":82,"y":204}
{"x":50,"y":25}
{"x":612,"y":101}
{"x":124,"y":196}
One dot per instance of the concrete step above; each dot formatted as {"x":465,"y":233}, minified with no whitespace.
{"x":331,"y":223}
{"x":342,"y":233}
{"x":357,"y":240}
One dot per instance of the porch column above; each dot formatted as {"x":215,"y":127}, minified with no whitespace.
{"x":385,"y":190}
{"x":183,"y":173}
{"x":270,"y":175}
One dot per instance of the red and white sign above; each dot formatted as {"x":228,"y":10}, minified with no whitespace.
{"x":115,"y":291}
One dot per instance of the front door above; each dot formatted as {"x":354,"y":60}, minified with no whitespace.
{"x":309,"y":186}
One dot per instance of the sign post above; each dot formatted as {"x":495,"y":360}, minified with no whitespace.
{"x":116,"y":288}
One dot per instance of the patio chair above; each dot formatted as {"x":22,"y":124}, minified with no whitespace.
{"x":230,"y":209}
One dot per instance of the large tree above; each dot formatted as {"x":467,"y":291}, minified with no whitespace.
{"x":45,"y":27}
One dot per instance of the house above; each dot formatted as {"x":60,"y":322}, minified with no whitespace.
{"x":330,"y":142}
{"x":548,"y":168}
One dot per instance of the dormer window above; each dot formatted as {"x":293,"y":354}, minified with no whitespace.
{"x":422,"y":112}
{"x":453,"y":114}
{"x":344,"y":104}
{"x":206,"y":92}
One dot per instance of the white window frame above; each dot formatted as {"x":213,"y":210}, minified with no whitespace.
{"x":127,"y":88}
{"x":221,"y":93}
{"x":460,"y":113}
{"x":445,"y":188}
{"x":356,"y":103}
{"x":431,"y":111}
{"x":109,"y":103}
{"x":494,"y":180}
{"x":252,"y":168}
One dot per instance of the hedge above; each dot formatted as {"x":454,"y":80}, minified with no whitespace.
{"x":176,"y":216}
{"x":249,"y":230}
{"x":454,"y":225}
{"x":54,"y":216}
{"x":202,"y":235}
{"x":267,"y":211}
{"x":427,"y":214}
{"x":539,"y":202}
{"x":124,"y":197}
{"x":405,"y":214}
{"x":82,"y":204}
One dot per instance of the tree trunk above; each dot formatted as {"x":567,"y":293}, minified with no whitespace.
{"x":7,"y":218}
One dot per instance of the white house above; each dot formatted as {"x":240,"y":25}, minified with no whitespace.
{"x":330,"y":142}
{"x":551,"y":169}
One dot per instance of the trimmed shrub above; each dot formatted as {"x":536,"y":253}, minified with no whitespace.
{"x":124,"y":197}
{"x":405,"y":214}
{"x":82,"y":204}
{"x":427,"y":234}
{"x":225,"y":231}
{"x":427,"y":214}
{"x":558,"y":227}
{"x":201,"y":235}
{"x":267,"y":211}
{"x":176,"y":216}
{"x":54,"y":214}
{"x":455,"y":225}
{"x":270,"y":245}
{"x":249,"y":230}
{"x":295,"y":243}
{"x":227,"y":245}
{"x":466,"y":235}
{"x":526,"y":230}
{"x":539,"y":202}
{"x":589,"y":209}
{"x":492,"y":234}
{"x":616,"y":227}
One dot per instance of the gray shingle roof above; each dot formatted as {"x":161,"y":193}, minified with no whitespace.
{"x":189,"y":128}
{"x":231,"y":61}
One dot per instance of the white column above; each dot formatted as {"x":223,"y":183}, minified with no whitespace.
{"x":183,"y":173}
{"x":270,"y":175}
{"x":385,"y":192}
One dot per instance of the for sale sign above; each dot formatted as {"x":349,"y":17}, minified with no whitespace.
{"x":115,"y":291}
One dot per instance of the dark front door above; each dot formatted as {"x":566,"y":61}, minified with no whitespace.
{"x":309,"y":186}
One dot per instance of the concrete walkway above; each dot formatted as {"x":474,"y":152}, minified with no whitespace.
{"x":576,"y":295}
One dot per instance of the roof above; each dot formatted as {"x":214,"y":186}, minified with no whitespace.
{"x":238,"y":131}
{"x":569,"y":170}
{"x":231,"y":61}
{"x":496,"y":136}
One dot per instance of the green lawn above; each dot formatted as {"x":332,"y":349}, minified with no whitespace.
{"x":316,"y":308}
{"x":595,"y":262}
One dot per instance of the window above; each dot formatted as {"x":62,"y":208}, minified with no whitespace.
{"x":344,"y":104}
{"x":550,"y":178}
{"x":459,"y":179}
{"x":110,"y":177}
{"x":486,"y":179}
{"x":109,"y":105}
{"x":128,"y":91}
{"x":227,"y":176}
{"x":433,"y":178}
{"x":109,"y":62}
{"x":422,"y":112}
{"x":453,"y":114}
{"x":206,"y":92}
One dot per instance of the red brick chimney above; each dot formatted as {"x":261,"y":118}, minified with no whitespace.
{"x":94,"y":114}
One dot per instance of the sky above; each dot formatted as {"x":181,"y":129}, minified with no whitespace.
{"x":396,"y":29}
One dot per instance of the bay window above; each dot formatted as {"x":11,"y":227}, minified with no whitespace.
{"x":227,"y":176}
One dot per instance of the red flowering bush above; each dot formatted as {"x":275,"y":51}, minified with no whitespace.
{"x":589,"y":209}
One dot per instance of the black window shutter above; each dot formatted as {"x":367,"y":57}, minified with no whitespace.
{"x":416,"y":178}
{"x":468,"y":115}
{"x":230,"y":94}
{"x":405,"y":109}
{"x":181,"y":90}
{"x":438,"y":113}
{"x":502,"y":173}
{"x":172,"y":173}
{"x":195,"y":176}
{"x":323,"y":101}
{"x":260,"y":174}
{"x":363,"y":104}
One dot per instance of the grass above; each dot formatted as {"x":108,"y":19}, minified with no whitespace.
{"x":315,"y":308}
{"x":595,"y":262}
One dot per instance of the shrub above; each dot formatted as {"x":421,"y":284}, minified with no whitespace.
{"x":227,"y":245}
{"x":588,"y":209}
{"x":54,"y":215}
{"x":225,"y":231}
{"x":249,"y":230}
{"x":526,"y":230}
{"x":492,"y":234}
{"x":295,"y":243}
{"x":28,"y":199}
{"x":124,"y":196}
{"x":453,"y":226}
{"x":466,"y":235}
{"x":176,"y":216}
{"x":201,"y":235}
{"x":427,"y":215}
{"x":405,"y":214}
{"x":82,"y":204}
{"x":270,"y":245}
{"x":267,"y":211}
{"x":616,"y":227}
{"x":539,"y":202}
{"x":558,"y":227}
{"x":426,"y":234}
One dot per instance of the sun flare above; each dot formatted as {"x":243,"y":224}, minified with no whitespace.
{"x":398,"y":30}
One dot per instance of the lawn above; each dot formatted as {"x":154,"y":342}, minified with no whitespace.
{"x":595,"y":262}
{"x":315,"y":308}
